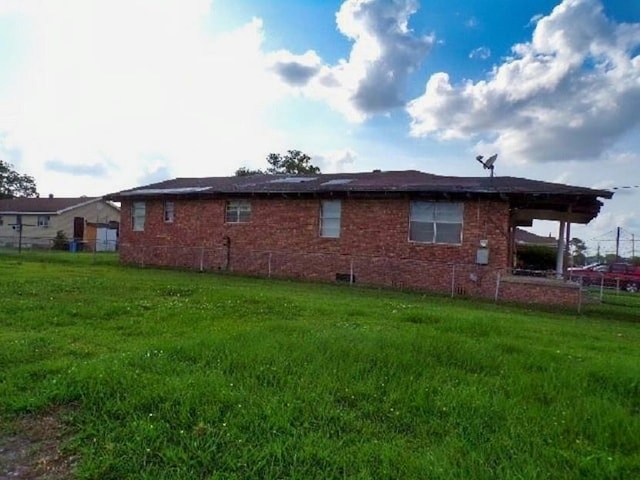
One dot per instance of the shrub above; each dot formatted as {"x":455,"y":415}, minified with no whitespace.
{"x":60,"y":241}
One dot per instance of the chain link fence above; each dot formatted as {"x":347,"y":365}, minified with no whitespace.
{"x":454,"y":279}
{"x":31,"y":242}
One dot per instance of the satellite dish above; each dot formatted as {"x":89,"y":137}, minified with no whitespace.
{"x":490,"y":161}
{"x":488,"y":164}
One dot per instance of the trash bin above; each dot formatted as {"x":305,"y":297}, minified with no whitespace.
{"x":73,"y":246}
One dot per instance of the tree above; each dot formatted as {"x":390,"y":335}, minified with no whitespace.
{"x":245,"y":172}
{"x":578,"y":247}
{"x":294,"y":162}
{"x":14,"y":184}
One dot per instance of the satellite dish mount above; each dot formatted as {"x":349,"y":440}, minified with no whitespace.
{"x":488,"y":164}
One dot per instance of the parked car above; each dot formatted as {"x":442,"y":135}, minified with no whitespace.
{"x":624,"y":276}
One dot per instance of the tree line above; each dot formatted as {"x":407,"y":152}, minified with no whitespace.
{"x":14,"y":184}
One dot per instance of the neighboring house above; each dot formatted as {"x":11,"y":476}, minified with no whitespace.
{"x":528,"y":239}
{"x":87,"y":222}
{"x":399,"y":228}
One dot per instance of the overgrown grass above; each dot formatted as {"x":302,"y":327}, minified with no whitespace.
{"x":186,"y":375}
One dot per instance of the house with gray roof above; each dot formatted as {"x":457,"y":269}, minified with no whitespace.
{"x":90,"y":222}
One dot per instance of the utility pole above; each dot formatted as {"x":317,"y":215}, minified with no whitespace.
{"x":18,"y":226}
{"x":617,"y":244}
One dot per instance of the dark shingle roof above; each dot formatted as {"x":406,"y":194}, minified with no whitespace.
{"x":369,"y":182}
{"x":527,"y":198}
{"x":41,"y":205}
{"x":524,"y":237}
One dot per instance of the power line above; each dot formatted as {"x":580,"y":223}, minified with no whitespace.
{"x":625,"y":186}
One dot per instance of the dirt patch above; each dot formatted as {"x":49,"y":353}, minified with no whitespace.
{"x":30,"y":449}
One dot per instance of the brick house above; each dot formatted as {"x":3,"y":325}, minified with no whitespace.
{"x":404,"y":229}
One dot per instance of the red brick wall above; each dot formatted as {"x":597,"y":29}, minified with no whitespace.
{"x":538,"y":290}
{"x":283,"y":239}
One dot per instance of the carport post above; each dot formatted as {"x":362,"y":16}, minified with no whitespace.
{"x":560,"y":252}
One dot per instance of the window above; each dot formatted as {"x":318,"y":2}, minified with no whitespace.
{"x":169,"y":212}
{"x":330,"y":218}
{"x":43,"y":221}
{"x":138,"y":210}
{"x":436,"y":222}
{"x":238,"y":211}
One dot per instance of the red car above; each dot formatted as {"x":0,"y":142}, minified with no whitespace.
{"x":624,"y":276}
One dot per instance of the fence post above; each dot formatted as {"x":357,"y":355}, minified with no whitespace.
{"x":580,"y":296}
{"x":497,"y":287}
{"x":269,"y":266}
{"x":201,"y":259}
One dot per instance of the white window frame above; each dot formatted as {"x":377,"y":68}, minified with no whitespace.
{"x":237,"y":211}
{"x":436,"y":222}
{"x":138,"y":214}
{"x":44,"y":221}
{"x":169,"y":211}
{"x":330,"y":218}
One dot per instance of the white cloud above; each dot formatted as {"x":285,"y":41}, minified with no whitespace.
{"x":481,"y":53}
{"x":138,"y":87}
{"x":371,"y":81}
{"x":569,"y":93}
{"x":338,"y":161}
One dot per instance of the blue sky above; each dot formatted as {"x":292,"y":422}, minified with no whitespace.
{"x":102,"y":95}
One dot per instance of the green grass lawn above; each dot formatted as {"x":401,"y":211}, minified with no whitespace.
{"x":167,"y":374}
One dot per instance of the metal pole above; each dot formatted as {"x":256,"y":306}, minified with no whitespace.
{"x":617,"y":243}
{"x":497,"y":287}
{"x":580,"y":296}
{"x":560,"y":252}
{"x":453,"y":280}
{"x":20,"y":237}
{"x":567,"y":244}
